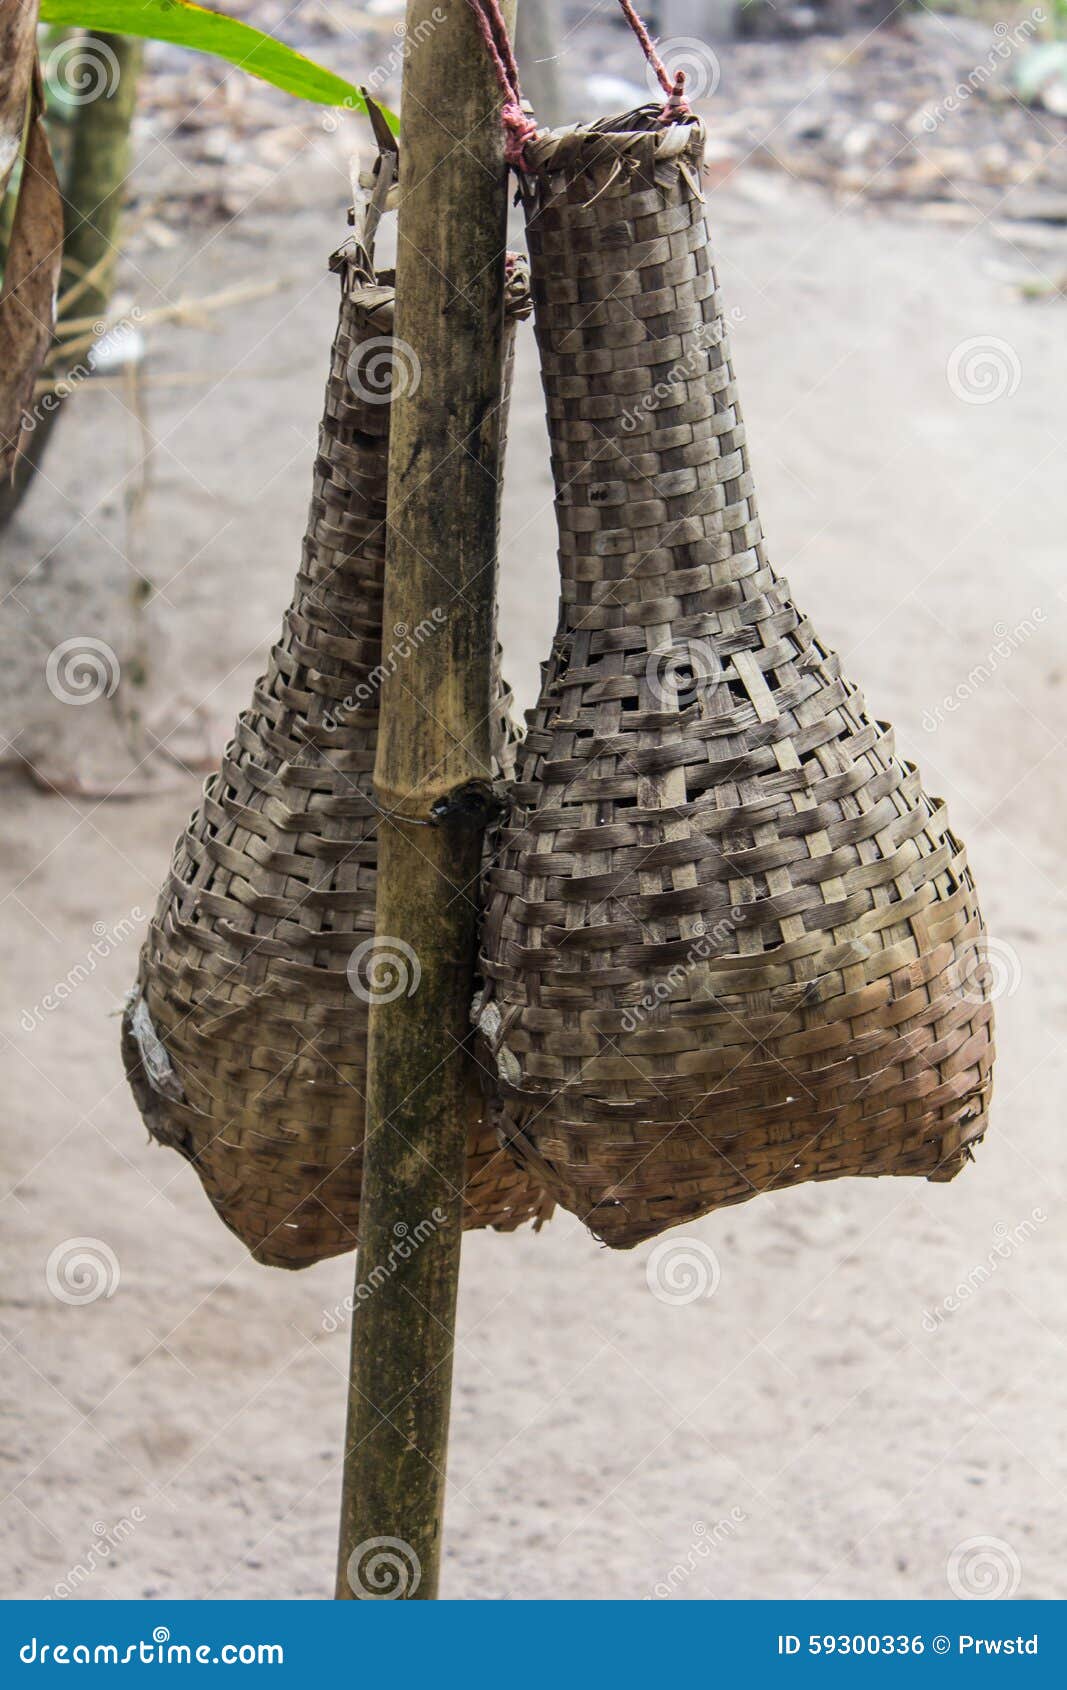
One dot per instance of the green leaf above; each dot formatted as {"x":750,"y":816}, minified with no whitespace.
{"x":186,"y":25}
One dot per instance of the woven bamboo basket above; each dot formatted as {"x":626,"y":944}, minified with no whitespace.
{"x":730,"y":944}
{"x":244,"y":1038}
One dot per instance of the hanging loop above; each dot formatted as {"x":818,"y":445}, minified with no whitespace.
{"x":676,"y":106}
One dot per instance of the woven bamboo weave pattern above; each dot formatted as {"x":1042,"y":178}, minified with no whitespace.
{"x":730,"y":943}
{"x":244,"y":1039}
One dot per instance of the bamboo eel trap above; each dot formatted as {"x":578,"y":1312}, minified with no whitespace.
{"x":730,"y":944}
{"x":245,"y":1036}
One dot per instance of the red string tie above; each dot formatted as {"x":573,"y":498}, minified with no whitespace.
{"x":676,"y":105}
{"x":519,"y":128}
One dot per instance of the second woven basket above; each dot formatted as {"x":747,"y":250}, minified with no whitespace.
{"x":730,"y":942}
{"x":245,"y":1036}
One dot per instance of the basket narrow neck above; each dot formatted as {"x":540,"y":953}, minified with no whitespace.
{"x":653,"y":489}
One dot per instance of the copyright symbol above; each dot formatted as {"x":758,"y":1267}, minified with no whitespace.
{"x":941,"y":1645}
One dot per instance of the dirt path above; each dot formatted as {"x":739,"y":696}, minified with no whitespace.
{"x":826,"y":1421}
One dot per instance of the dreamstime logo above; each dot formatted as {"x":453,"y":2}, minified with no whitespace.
{"x":674,"y":672}
{"x":712,"y":939}
{"x":406,"y":641}
{"x":986,"y":970}
{"x":692,"y":368}
{"x":1006,"y":642}
{"x":382,"y":969}
{"x":106,"y":939}
{"x":383,"y":369}
{"x":81,"y":1271}
{"x":145,"y":1652}
{"x":706,"y":1539}
{"x":1006,"y":1241}
{"x":983,"y":369}
{"x":389,"y":67}
{"x":111,"y":349}
{"x":81,"y":670}
{"x":383,"y":1569}
{"x":406,"y":1240}
{"x":83,"y":68}
{"x":984,"y":1569}
{"x":681,"y":1271}
{"x":700,"y":64}
{"x":106,"y":1539}
{"x":1006,"y":40}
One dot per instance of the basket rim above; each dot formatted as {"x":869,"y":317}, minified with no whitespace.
{"x":637,"y":136}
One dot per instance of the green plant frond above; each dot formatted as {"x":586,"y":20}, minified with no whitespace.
{"x":187,"y":25}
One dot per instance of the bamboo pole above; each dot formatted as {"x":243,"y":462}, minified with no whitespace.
{"x":93,"y":194}
{"x":99,"y":167}
{"x":433,"y":766}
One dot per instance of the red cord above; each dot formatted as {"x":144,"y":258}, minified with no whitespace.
{"x":676,"y":104}
{"x":647,"y":46}
{"x":518,"y":128}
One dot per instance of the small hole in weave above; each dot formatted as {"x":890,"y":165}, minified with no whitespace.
{"x":362,"y":441}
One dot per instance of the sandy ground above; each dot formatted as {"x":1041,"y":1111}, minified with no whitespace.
{"x":826,"y":1421}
